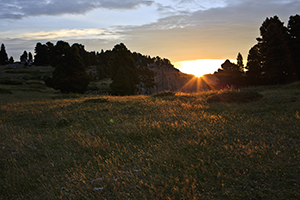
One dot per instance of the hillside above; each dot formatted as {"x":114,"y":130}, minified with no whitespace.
{"x":166,"y":78}
{"x":243,"y":145}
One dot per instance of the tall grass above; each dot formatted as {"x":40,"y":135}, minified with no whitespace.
{"x":148,"y":147}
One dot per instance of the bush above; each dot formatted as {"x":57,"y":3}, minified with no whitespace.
{"x":235,"y":97}
{"x":11,"y":82}
{"x":92,"y":88}
{"x":164,"y":94}
{"x":5,"y":91}
{"x":64,"y":123}
{"x":96,"y":101}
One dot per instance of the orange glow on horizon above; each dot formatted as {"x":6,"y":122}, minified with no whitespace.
{"x":199,"y":67}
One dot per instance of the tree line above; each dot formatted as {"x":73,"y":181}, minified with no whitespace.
{"x":128,"y":71}
{"x":70,"y":62}
{"x":26,"y":58}
{"x":275,"y":59}
{"x":4,"y":57}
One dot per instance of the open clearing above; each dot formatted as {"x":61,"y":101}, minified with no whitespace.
{"x":55,"y":146}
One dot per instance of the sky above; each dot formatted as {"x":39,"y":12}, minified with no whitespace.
{"x":187,"y":32}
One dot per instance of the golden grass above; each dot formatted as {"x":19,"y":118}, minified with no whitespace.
{"x":145,"y":147}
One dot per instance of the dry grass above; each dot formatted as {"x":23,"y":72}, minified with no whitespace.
{"x":143,"y":147}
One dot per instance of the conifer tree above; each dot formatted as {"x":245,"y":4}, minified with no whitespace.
{"x":122,"y":85}
{"x":3,"y":55}
{"x":24,"y":57}
{"x":254,"y":74}
{"x":69,"y":74}
{"x":11,"y":60}
{"x":229,"y":75}
{"x":294,"y":31}
{"x":239,"y":61}
{"x":30,"y":58}
{"x":122,"y":58}
{"x":42,"y":53}
{"x":277,"y":60}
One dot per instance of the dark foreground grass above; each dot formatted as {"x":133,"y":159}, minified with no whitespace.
{"x":143,"y":147}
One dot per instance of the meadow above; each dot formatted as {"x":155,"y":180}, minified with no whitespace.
{"x":165,"y":146}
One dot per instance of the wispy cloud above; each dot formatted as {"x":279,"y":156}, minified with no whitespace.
{"x":177,"y":29}
{"x":215,"y":33}
{"x":105,"y":34}
{"x":186,"y":7}
{"x":92,"y":38}
{"x":17,"y":9}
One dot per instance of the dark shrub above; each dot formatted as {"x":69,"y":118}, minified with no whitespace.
{"x":96,"y":101}
{"x":5,"y":91}
{"x":235,"y":97}
{"x":164,"y":94}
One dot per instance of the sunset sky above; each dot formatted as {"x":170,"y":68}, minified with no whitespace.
{"x":180,"y":30}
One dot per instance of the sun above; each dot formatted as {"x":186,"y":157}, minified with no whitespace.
{"x":199,"y":67}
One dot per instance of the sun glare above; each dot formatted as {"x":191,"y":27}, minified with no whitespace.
{"x":199,"y":67}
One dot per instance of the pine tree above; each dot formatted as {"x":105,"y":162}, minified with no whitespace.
{"x":69,"y":74}
{"x":42,"y":52}
{"x":229,"y":75}
{"x":122,"y":57}
{"x":122,"y":84}
{"x":11,"y":60}
{"x":294,"y":31}
{"x":24,"y":57}
{"x":277,"y":60}
{"x":30,"y":58}
{"x":254,"y":74}
{"x":239,"y":61}
{"x":3,"y":55}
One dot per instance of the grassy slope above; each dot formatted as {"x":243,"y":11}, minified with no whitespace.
{"x":141,"y":147}
{"x":31,"y":79}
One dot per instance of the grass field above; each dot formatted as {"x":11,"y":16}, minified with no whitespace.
{"x":55,"y":146}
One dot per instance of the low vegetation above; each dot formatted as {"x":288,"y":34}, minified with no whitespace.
{"x":235,"y":96}
{"x":5,"y":91}
{"x":164,"y":94}
{"x":180,"y":146}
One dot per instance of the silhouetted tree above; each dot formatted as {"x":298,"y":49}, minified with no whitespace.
{"x":93,"y":58}
{"x":30,"y":58}
{"x":254,"y":74}
{"x":42,"y":52}
{"x":83,"y":54}
{"x":3,"y":55}
{"x":24,"y":57}
{"x":122,"y":58}
{"x":239,"y":61}
{"x":294,"y":31}
{"x":229,"y":75}
{"x":274,"y":46}
{"x":69,"y":74}
{"x":103,"y":64}
{"x":122,"y":85}
{"x":11,"y":60}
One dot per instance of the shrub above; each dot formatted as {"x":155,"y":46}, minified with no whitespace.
{"x":96,"y":101}
{"x":64,"y":123}
{"x":92,"y":88}
{"x":5,"y":91}
{"x":11,"y":82}
{"x":164,"y":94}
{"x":235,"y":97}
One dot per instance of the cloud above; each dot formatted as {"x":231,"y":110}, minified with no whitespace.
{"x":64,"y":34}
{"x":18,"y":9}
{"x":215,"y":33}
{"x":95,"y":39}
{"x":179,"y":7}
{"x":219,"y":31}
